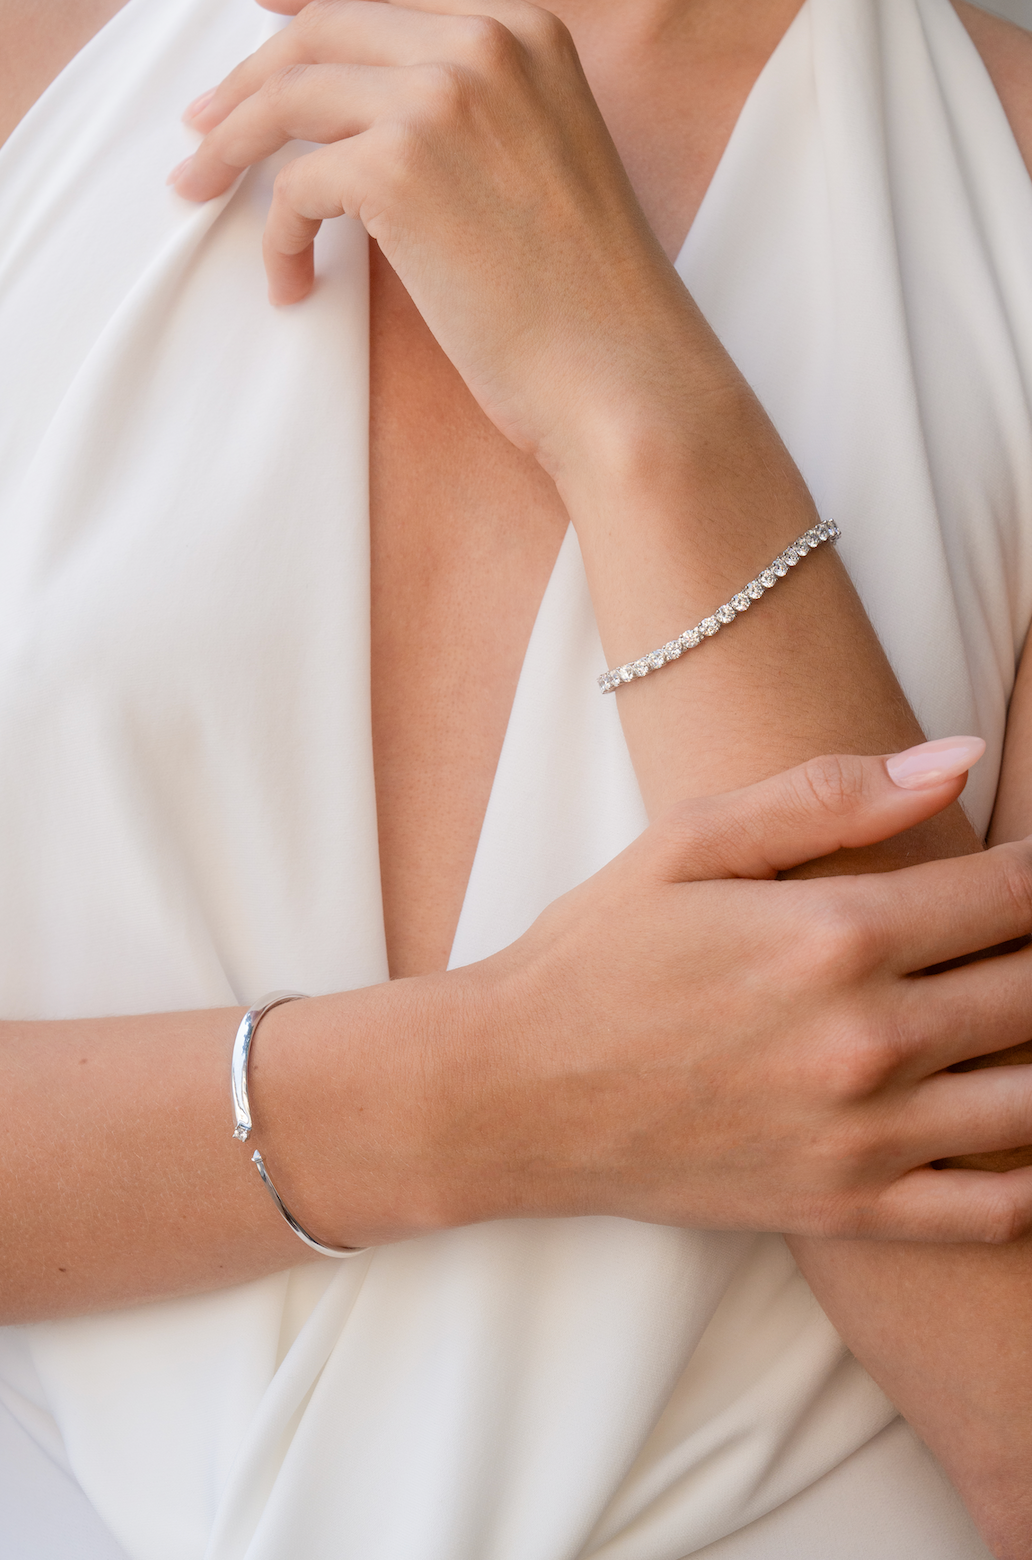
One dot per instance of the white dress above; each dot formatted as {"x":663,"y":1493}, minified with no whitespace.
{"x":187,"y":808}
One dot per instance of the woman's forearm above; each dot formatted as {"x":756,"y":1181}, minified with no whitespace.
{"x":122,"y":1180}
{"x":668,"y":530}
{"x":553,"y":1079}
{"x":945,"y":1331}
{"x":682,"y":499}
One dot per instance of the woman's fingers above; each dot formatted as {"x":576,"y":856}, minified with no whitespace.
{"x":306,"y":192}
{"x":911,"y":919}
{"x":517,"y":11}
{"x":940,"y":1020}
{"x":943,"y":1205}
{"x":831,"y":803}
{"x":497,"y":172}
{"x":521,"y":18}
{"x":325,"y":103}
{"x":973,"y":1113}
{"x":353,"y":32}
{"x":944,"y":910}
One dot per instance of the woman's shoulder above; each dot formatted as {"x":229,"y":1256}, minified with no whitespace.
{"x":1006,"y":51}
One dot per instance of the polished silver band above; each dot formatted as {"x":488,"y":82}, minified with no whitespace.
{"x":824,"y":531}
{"x":242,"y":1111}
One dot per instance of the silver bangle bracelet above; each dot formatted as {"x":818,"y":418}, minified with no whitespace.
{"x":242,"y":1110}
{"x":824,"y":531}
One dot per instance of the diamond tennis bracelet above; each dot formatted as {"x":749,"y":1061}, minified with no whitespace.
{"x":824,"y":531}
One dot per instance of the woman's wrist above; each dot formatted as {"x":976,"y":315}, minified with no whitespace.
{"x":670,"y":528}
{"x":644,"y":395}
{"x":365,"y":1103}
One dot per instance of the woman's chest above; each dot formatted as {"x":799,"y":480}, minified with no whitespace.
{"x":464,"y":535}
{"x":37,"y":40}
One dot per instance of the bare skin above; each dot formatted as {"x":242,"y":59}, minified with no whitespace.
{"x":431,"y":803}
{"x":39,"y":41}
{"x":486,"y":553}
{"x":480,"y":559}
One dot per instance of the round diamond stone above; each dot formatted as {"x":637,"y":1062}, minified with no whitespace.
{"x":672,"y":649}
{"x":790,"y":556}
{"x":690,"y":638}
{"x":725,"y":614}
{"x":655,"y":658}
{"x":822,"y":532}
{"x":834,"y":531}
{"x":626,"y":673}
{"x":709,"y":626}
{"x":640,"y":668}
{"x":741,"y":602}
{"x":802,"y":547}
{"x":780,"y":568}
{"x":767,"y":578}
{"x":754,"y":590}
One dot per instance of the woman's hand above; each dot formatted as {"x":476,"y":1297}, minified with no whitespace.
{"x":752,"y":1054}
{"x":471,"y":148}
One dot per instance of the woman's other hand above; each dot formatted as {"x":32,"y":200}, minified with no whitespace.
{"x":667,"y":1046}
{"x":685,"y":1039}
{"x":471,"y":148}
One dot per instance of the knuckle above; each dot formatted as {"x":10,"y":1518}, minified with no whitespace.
{"x":545,"y":32}
{"x":447,"y":91}
{"x":885,"y":1044}
{"x":866,"y":1063}
{"x":834,"y":782}
{"x":841,"y":940}
{"x":488,"y":42}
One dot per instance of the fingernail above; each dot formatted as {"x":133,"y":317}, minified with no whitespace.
{"x":177,"y":170}
{"x":199,"y":104}
{"x":931,"y":763}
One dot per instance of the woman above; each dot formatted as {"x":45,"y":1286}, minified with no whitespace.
{"x":204,"y":813}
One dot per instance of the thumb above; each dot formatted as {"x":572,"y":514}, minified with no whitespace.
{"x":828,"y":804}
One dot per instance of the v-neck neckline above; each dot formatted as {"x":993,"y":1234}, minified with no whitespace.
{"x":741,"y":128}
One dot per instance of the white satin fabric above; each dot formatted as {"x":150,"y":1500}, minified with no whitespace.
{"x":187,"y":808}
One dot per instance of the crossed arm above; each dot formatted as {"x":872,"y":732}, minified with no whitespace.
{"x":678,"y":440}
{"x":943,"y":1328}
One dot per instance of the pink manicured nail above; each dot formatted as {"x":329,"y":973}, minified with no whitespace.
{"x":931,"y":763}
{"x":177,"y":170}
{"x":199,"y":104}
